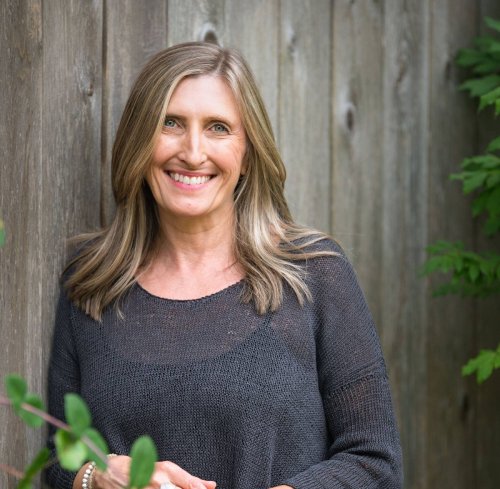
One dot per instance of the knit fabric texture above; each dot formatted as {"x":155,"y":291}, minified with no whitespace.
{"x":298,"y":396}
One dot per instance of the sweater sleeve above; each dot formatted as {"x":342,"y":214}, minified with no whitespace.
{"x":364,"y":450}
{"x":64,"y":377}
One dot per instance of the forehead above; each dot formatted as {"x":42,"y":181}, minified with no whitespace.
{"x":205,"y":93}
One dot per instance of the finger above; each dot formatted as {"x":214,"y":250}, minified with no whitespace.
{"x":181,"y":478}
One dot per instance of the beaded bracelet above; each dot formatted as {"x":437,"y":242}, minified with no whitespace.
{"x":87,"y":476}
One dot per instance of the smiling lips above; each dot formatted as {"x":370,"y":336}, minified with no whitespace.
{"x":195,"y":180}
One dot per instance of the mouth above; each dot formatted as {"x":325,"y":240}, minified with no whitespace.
{"x":189,"y":180}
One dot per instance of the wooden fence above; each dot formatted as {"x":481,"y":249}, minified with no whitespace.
{"x":363,"y":98}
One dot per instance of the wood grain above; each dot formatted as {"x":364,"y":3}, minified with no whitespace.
{"x":304,"y":120}
{"x":20,"y":207}
{"x":450,"y":322}
{"x":399,"y":210}
{"x":363,"y":98}
{"x":133,"y":33}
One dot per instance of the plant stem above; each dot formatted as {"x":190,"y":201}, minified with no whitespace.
{"x":63,"y":426}
{"x":58,"y":424}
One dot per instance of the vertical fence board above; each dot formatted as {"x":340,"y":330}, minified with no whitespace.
{"x":357,"y":135}
{"x":450,"y":324}
{"x":72,"y":97}
{"x":134,"y":31}
{"x":304,"y":122}
{"x":252,"y":28}
{"x":20,"y":208}
{"x":198,"y":20}
{"x":71,"y":108}
{"x":488,"y":312}
{"x":399,"y":207}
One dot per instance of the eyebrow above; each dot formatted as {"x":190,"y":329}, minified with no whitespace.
{"x":211,"y":118}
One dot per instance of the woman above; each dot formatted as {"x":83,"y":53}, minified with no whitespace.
{"x":206,"y":318}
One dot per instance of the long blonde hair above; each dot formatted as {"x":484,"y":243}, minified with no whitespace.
{"x":268,"y":244}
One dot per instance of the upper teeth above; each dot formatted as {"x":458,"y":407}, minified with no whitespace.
{"x":189,"y":180}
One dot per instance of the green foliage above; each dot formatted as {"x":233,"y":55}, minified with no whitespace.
{"x":483,"y":365}
{"x":36,"y":465}
{"x":482,"y":174}
{"x":476,"y":274}
{"x":473,"y":274}
{"x":77,"y":442}
{"x":77,"y":413}
{"x":144,"y":457}
{"x":95,"y":437}
{"x":71,"y":451}
{"x":17,"y":392}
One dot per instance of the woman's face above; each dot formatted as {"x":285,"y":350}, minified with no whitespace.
{"x":198,"y":157}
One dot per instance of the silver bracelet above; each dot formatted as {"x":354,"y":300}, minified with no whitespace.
{"x":87,"y":476}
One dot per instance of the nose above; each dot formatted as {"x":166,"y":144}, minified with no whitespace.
{"x":193,"y":151}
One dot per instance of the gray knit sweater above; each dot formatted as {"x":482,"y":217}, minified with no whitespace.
{"x":298,"y":397}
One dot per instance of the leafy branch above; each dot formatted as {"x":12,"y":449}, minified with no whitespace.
{"x":76,"y":442}
{"x":476,"y":274}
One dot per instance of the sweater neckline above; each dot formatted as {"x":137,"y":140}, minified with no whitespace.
{"x":197,"y":300}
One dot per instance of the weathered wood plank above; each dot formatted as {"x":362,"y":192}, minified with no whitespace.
{"x":71,"y":145}
{"x":399,"y":203}
{"x":133,"y":32}
{"x":358,"y":108}
{"x":198,"y":20}
{"x":487,"y":315}
{"x":252,"y":28}
{"x":20,"y":208}
{"x":450,"y":325}
{"x":304,"y":119}
{"x":72,"y":97}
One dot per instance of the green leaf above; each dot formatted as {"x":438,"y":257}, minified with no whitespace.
{"x":489,"y":98}
{"x":469,"y":57}
{"x":473,"y":182}
{"x":492,"y":23}
{"x":2,"y":233}
{"x":38,"y":463}
{"x":77,"y":413}
{"x":32,"y":419}
{"x":479,"y":204}
{"x":493,"y":180}
{"x":473,"y":273}
{"x":494,"y":145}
{"x":144,"y":457}
{"x":16,"y":389}
{"x":483,"y":365}
{"x":71,"y":451}
{"x":481,"y":86}
{"x":95,"y":437}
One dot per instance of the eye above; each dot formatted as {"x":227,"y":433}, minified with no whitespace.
{"x":169,"y":122}
{"x":219,"y":128}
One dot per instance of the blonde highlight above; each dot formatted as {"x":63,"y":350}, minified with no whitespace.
{"x":268,"y":244}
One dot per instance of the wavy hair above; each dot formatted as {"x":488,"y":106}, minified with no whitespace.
{"x":268,"y":244}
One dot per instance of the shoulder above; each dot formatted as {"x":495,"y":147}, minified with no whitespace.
{"x":328,"y":271}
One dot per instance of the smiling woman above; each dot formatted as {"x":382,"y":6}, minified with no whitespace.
{"x":206,"y":317}
{"x":198,"y":158}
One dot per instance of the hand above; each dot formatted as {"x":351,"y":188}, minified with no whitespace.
{"x":118,"y":468}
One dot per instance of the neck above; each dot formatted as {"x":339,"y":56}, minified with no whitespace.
{"x":189,"y":246}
